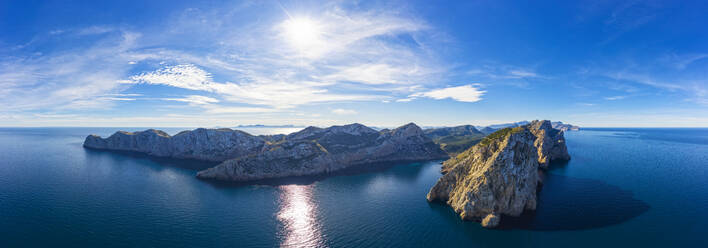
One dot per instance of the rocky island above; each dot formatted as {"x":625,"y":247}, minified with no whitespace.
{"x":499,"y":175}
{"x":310,"y":151}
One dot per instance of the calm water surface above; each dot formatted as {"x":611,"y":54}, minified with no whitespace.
{"x":623,"y":187}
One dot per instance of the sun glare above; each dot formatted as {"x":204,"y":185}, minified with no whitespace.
{"x":302,"y":32}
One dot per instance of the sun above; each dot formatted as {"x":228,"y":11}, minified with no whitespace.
{"x":302,"y":32}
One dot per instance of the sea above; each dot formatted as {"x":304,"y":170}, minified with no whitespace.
{"x":623,"y":187}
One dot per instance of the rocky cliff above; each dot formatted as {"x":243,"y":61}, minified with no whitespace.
{"x":549,"y":141}
{"x":321,"y":150}
{"x":203,"y":144}
{"x":499,"y":175}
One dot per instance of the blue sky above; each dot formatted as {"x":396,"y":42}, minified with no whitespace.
{"x":225,"y":63}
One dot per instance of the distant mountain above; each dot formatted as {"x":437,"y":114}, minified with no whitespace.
{"x":557,"y":125}
{"x":316,"y":150}
{"x":505,"y":125}
{"x":267,"y":126}
{"x":564,"y":127}
{"x":454,"y":140}
{"x":488,"y":130}
{"x":447,"y":131}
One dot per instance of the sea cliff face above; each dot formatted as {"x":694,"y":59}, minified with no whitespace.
{"x":499,"y":175}
{"x":317,"y":150}
{"x":203,"y":144}
{"x":549,"y":141}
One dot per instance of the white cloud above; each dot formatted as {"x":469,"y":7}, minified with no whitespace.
{"x":613,"y":98}
{"x":522,"y":73}
{"x":263,"y":92}
{"x":504,"y":72}
{"x":72,"y":79}
{"x":340,"y":111}
{"x":336,"y":55}
{"x":336,"y":30}
{"x":373,"y":74}
{"x":247,"y":66}
{"x":236,"y":110}
{"x":180,"y":76}
{"x":464,"y":93}
{"x":194,"y":99}
{"x":645,"y":80}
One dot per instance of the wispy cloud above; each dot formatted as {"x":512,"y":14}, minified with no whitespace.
{"x":337,"y":55}
{"x":340,"y":111}
{"x":464,"y":93}
{"x":194,"y":99}
{"x":347,"y":55}
{"x":645,"y":79}
{"x":502,"y":74}
{"x":682,"y":61}
{"x":613,"y":98}
{"x":519,"y":73}
{"x":627,"y":16}
{"x":263,"y":92}
{"x":71,"y":79}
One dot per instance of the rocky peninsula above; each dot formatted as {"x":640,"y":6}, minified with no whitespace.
{"x":491,"y":176}
{"x":316,"y":151}
{"x":499,"y":175}
{"x":310,"y":151}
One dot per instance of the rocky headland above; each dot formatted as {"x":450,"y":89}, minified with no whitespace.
{"x":316,"y":151}
{"x":556,"y":124}
{"x":491,"y":176}
{"x":499,"y":175}
{"x":203,"y":144}
{"x":310,"y":151}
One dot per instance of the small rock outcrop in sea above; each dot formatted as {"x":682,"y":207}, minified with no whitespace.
{"x":499,"y":175}
{"x":321,"y":150}
{"x":203,"y":144}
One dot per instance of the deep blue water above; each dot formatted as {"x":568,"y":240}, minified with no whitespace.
{"x":623,"y":187}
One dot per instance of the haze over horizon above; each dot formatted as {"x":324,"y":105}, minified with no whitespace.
{"x":229,"y":63}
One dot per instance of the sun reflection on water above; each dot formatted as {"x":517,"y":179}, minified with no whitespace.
{"x":298,"y":215}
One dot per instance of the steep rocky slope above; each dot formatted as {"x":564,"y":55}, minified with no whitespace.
{"x":499,"y":175}
{"x":549,"y":141}
{"x":321,"y":150}
{"x":203,"y":144}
